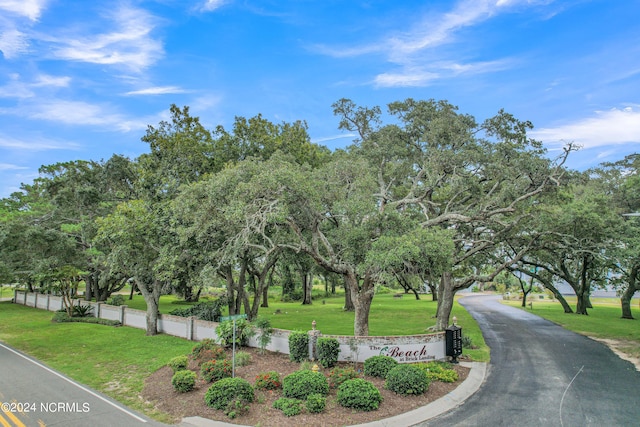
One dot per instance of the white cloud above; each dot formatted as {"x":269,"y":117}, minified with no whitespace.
{"x":10,"y":167}
{"x":47,"y":80}
{"x":27,"y":8}
{"x":420,"y":76}
{"x":16,"y":88}
{"x":77,"y":113}
{"x":613,"y":127}
{"x":416,"y":51}
{"x":32,"y":143}
{"x":333,"y":138}
{"x":158,"y":90}
{"x":211,"y":5}
{"x":13,"y":43}
{"x":407,"y":78}
{"x":130,"y":44}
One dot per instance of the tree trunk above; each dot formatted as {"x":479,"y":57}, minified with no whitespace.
{"x":525,"y":291}
{"x":582,"y":299}
{"x":265,"y":297}
{"x":307,"y":288}
{"x":348,"y":301}
{"x":446,"y":296}
{"x":90,"y":284}
{"x":362,"y":297}
{"x":556,"y":294}
{"x":152,"y":298}
{"x":628,"y":293}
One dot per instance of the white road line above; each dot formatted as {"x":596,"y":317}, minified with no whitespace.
{"x":75,"y":383}
{"x":565,"y":392}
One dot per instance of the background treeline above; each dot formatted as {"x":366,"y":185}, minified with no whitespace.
{"x":425,"y":196}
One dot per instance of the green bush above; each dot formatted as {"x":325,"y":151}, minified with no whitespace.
{"x":184,"y":381}
{"x":379,"y":366}
{"x":439,"y":371}
{"x":328,"y":351}
{"x":242,"y":358}
{"x":178,"y":363}
{"x":222,"y":392}
{"x":264,"y":331}
{"x":206,"y":310}
{"x":116,"y":300}
{"x":244,"y":331}
{"x":339,"y":375}
{"x":209,"y":349}
{"x":236,"y":407}
{"x":290,"y":407}
{"x":298,"y":346}
{"x":407,"y":379}
{"x":82,"y":311}
{"x":467,"y":342}
{"x":62,"y":316}
{"x":359,"y":394}
{"x":315,"y":403}
{"x":268,"y":381}
{"x":301,"y":384}
{"x":215,"y":370}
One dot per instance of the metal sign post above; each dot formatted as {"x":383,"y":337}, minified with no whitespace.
{"x":233,"y":357}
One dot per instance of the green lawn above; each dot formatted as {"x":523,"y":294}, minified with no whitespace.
{"x":116,"y":361}
{"x":388,"y":316}
{"x":603,"y":321}
{"x":112,"y":360}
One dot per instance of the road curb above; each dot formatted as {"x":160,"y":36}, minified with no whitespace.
{"x":446,"y":403}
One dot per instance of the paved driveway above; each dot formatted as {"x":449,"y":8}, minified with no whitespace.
{"x":32,"y":394}
{"x":543,"y":375}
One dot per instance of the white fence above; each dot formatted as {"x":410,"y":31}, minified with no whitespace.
{"x":405,"y":349}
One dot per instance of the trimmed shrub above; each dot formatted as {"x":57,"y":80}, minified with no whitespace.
{"x":268,"y":381}
{"x":328,"y":351}
{"x":407,"y":379}
{"x":222,"y":392}
{"x":359,"y":394}
{"x":301,"y":384}
{"x":209,"y":348}
{"x":184,"y":381}
{"x":242,"y":358}
{"x":339,"y":375}
{"x":62,"y":316}
{"x":206,"y":310}
{"x":439,"y":371}
{"x":298,"y":346}
{"x":290,"y":407}
{"x":379,"y":366}
{"x":178,"y":363}
{"x":215,"y":370}
{"x":315,"y":403}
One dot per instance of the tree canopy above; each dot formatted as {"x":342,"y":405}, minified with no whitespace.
{"x":424,"y":195}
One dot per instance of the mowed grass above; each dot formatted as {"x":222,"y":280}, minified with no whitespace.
{"x":115,"y":361}
{"x":388,"y":316}
{"x":603,"y":321}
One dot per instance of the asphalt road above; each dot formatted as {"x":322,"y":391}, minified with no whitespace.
{"x":543,"y":375}
{"x":32,"y":394}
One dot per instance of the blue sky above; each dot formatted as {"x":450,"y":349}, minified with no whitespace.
{"x":83,"y":79}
